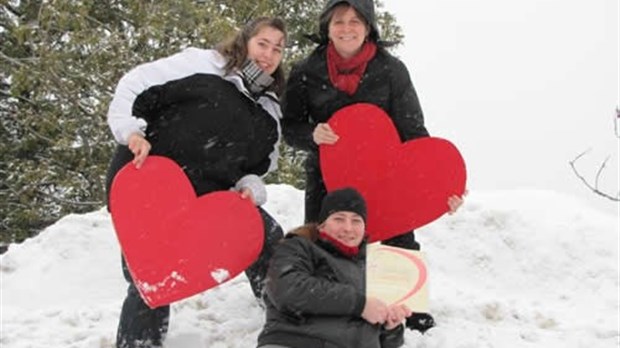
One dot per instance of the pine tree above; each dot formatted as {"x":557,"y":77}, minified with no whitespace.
{"x":61,"y":60}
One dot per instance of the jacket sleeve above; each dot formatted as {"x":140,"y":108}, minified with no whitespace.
{"x":256,"y":185}
{"x":392,"y":338}
{"x":405,"y":105}
{"x":293,"y":289}
{"x":121,"y":117}
{"x":131,"y":104}
{"x":297,"y":127}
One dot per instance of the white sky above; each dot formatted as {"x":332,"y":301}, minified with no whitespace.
{"x":516,"y":269}
{"x":521,"y":87}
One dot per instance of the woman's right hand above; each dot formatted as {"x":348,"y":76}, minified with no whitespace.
{"x":323,"y":134}
{"x":375,"y":311}
{"x":140,"y":148}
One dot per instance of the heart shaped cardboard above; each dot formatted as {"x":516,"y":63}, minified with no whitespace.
{"x":406,"y":185}
{"x":176,"y":244}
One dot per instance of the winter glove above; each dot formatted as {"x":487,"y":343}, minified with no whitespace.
{"x":420,"y":322}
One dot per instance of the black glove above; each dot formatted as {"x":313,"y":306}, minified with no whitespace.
{"x":420,"y":322}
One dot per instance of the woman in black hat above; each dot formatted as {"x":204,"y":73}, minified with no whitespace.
{"x":315,"y":288}
{"x":350,"y":65}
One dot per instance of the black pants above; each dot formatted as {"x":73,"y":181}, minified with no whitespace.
{"x":141,"y":326}
{"x":316,"y":191}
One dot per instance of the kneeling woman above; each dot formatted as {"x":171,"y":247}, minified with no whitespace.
{"x":315,"y":287}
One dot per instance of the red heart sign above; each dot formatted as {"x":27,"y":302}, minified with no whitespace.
{"x":176,"y":244}
{"x":406,"y":185}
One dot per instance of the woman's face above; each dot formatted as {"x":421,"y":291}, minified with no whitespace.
{"x":346,"y":227}
{"x":266,"y":48}
{"x":347,"y":30}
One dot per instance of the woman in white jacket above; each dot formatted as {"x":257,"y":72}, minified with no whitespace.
{"x":216,"y":113}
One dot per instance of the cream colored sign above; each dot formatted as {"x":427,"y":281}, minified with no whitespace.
{"x":397,"y":275}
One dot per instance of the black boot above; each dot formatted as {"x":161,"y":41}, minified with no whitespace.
{"x":139,"y":325}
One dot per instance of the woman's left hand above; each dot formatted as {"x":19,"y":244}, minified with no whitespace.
{"x":247,"y":193}
{"x":323,"y":134}
{"x":396,"y":315}
{"x":454,"y":202}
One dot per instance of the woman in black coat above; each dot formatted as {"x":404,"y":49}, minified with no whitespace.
{"x":215,"y":113}
{"x":350,"y":65}
{"x":316,"y":283}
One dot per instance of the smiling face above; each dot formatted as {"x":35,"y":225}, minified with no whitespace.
{"x":347,"y":29}
{"x":266,"y":48}
{"x":346,"y":227}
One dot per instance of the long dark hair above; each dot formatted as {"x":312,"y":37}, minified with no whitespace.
{"x":235,"y":48}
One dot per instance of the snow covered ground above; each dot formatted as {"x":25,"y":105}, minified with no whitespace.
{"x":511,"y":269}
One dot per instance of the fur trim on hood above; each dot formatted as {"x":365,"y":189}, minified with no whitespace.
{"x":309,"y":231}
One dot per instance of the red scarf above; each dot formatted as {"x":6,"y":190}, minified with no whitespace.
{"x":349,"y":251}
{"x":345,"y":74}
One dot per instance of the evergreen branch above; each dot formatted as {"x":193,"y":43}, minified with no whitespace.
{"x":13,"y":10}
{"x":14,"y":61}
{"x":24,"y":99}
{"x":32,"y":130}
{"x":68,"y":201}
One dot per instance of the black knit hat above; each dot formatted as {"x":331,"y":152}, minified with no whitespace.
{"x":345,"y":199}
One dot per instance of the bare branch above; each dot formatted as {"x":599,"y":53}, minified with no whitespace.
{"x":600,"y":170}
{"x":594,"y":188}
{"x":616,"y":122}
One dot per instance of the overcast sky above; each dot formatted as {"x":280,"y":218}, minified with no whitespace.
{"x":521,"y":87}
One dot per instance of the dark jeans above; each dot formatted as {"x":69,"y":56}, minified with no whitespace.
{"x":140,"y":326}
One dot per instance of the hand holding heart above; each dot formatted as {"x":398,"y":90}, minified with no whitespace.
{"x":323,"y":134}
{"x":406,"y":185}
{"x":176,"y":244}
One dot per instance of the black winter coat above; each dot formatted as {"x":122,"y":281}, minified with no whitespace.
{"x":311,"y":98}
{"x":216,"y":133}
{"x":315,"y":297}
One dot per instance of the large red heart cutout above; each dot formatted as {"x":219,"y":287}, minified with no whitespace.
{"x":406,"y":185}
{"x":176,"y":244}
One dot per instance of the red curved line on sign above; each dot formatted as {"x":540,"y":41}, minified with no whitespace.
{"x":421,"y":269}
